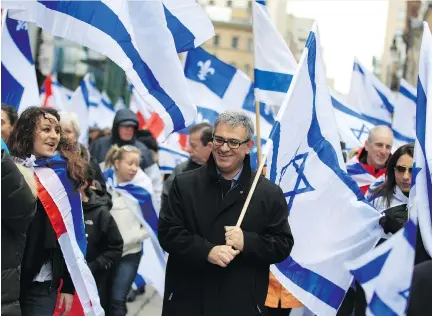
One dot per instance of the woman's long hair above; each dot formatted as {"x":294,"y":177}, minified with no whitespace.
{"x":387,"y":189}
{"x":21,"y":141}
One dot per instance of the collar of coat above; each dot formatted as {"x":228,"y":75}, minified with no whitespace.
{"x":245,"y":179}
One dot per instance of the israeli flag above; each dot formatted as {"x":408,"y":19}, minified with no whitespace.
{"x":353,"y":126}
{"x":275,"y":65}
{"x":140,"y":197}
{"x":100,"y":109}
{"x":216,"y":86}
{"x":404,"y":117}
{"x":121,"y":30}
{"x":370,"y":96}
{"x":385,"y":273}
{"x":19,"y":86}
{"x":53,"y":94}
{"x":170,"y":157}
{"x":305,"y":160}
{"x":106,"y":112}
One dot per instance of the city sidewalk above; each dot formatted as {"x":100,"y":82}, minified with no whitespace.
{"x":149,"y":304}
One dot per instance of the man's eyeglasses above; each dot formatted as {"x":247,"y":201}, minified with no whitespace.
{"x":402,"y":169}
{"x":232,"y":143}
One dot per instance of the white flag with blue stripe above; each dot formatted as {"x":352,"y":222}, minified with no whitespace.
{"x":19,"y":86}
{"x":139,"y":192}
{"x":274,"y":63}
{"x":106,"y":112}
{"x":216,"y":86}
{"x":370,"y":96}
{"x":170,"y":157}
{"x":404,"y":114}
{"x":100,"y":109}
{"x":385,"y":273}
{"x":305,"y":160}
{"x":122,"y":31}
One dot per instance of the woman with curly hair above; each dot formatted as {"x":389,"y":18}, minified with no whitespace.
{"x":38,"y":143}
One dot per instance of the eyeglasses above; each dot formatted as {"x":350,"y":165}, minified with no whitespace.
{"x":232,"y":143}
{"x":402,"y":169}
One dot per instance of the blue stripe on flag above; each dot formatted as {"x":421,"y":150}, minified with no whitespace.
{"x":139,"y":281}
{"x":376,"y":121}
{"x":11,"y":90}
{"x":163,"y":168}
{"x":183,"y":38}
{"x":386,"y":102}
{"x":410,"y":233}
{"x":20,"y":37}
{"x":378,"y":307}
{"x":311,"y":282}
{"x":144,"y":199}
{"x":356,"y":169}
{"x":85,"y":93}
{"x":404,"y":138}
{"x":324,"y":149}
{"x":101,"y":17}
{"x":404,"y":91}
{"x":173,"y":152}
{"x":262,"y":2}
{"x":358,"y":68}
{"x":58,"y":164}
{"x":421,"y":135}
{"x":370,"y":270}
{"x":272,"y":81}
{"x":107,"y":104}
{"x":275,"y":137}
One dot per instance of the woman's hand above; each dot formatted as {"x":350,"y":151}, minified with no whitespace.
{"x":66,"y":300}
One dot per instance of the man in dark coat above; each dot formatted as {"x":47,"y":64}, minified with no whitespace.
{"x":124,"y":132}
{"x":213,"y":268}
{"x":18,"y":208}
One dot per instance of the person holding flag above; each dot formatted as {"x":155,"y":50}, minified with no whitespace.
{"x":214,"y":267}
{"x":56,"y":241}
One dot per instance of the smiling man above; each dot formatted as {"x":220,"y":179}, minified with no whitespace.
{"x":371,"y":160}
{"x":213,"y":267}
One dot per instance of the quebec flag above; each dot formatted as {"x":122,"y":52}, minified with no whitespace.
{"x":122,"y":31}
{"x":370,"y":96}
{"x":329,"y":217}
{"x":19,"y":86}
{"x":404,"y":114}
{"x":275,"y":65}
{"x":385,"y":273}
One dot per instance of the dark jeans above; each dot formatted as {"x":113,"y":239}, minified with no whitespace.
{"x":39,"y":300}
{"x":278,"y":311}
{"x":125,"y":274}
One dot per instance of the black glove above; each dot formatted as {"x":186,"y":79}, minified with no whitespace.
{"x":394,"y":219}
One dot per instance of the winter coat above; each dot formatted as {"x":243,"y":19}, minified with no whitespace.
{"x":398,"y":198}
{"x":18,"y":208}
{"x":193,"y":222}
{"x":100,"y":148}
{"x":420,"y":296}
{"x":104,"y":243}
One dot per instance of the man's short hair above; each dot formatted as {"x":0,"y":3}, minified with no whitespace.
{"x":206,"y":131}
{"x":236,"y":118}
{"x":376,"y":129}
{"x":11,"y":113}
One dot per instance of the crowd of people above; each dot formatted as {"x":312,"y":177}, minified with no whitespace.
{"x":214,"y":267}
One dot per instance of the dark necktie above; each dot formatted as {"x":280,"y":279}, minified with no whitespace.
{"x":225,"y":185}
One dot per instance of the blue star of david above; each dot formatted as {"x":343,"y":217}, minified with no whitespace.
{"x":358,"y":133}
{"x":298,"y":163}
{"x":414,"y":175}
{"x":405,"y":293}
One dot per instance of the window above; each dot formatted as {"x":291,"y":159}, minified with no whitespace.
{"x":211,"y":2}
{"x":250,"y":45}
{"x":234,"y":42}
{"x":229,"y":4}
{"x":247,"y":68}
{"x":233,"y":64}
{"x":216,"y":40}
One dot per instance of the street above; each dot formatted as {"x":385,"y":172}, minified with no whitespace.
{"x":149,"y":304}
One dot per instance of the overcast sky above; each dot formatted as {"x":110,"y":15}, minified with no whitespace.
{"x":348,"y":28}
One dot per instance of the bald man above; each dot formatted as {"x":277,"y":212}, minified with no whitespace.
{"x":371,"y":160}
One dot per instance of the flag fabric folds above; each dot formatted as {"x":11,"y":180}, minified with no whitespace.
{"x":139,"y":195}
{"x":274,"y":62}
{"x":121,"y":30}
{"x":385,"y":273}
{"x":404,"y":117}
{"x":306,"y":161}
{"x":19,"y":86}
{"x":64,"y":209}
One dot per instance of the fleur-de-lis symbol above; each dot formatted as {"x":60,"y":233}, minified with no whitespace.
{"x":205,"y":69}
{"x":22,"y":25}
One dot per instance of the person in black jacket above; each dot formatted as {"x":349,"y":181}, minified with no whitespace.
{"x":105,"y":244}
{"x":213,"y":268}
{"x":37,"y":133}
{"x":18,"y":209}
